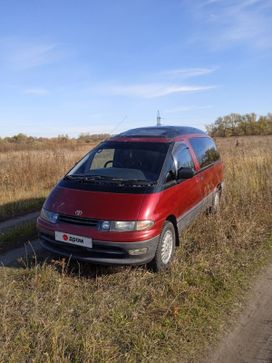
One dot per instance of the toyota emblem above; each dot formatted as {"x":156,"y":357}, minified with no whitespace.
{"x":78,"y":212}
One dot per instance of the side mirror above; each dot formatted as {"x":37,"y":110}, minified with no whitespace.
{"x":170,"y":176}
{"x":185,"y":173}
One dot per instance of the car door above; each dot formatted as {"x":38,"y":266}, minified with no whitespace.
{"x":189,"y":193}
{"x":207,"y":156}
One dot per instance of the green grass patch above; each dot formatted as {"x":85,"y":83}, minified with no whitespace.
{"x":17,"y":236}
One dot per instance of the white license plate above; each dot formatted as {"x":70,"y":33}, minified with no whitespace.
{"x":73,"y":239}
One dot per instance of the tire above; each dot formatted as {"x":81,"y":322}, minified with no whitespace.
{"x":165,"y":249}
{"x":216,"y":202}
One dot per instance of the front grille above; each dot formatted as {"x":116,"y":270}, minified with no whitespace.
{"x":97,"y":251}
{"x":78,"y":220}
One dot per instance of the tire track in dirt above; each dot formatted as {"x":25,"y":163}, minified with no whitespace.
{"x":250,"y":340}
{"x":13,"y":222}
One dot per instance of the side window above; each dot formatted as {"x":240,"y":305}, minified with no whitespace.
{"x":183,"y":157}
{"x":205,"y":150}
{"x":102,"y":158}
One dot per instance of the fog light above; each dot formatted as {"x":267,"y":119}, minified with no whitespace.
{"x":137,"y":251}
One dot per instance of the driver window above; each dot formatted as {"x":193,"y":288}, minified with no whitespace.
{"x":183,"y":157}
{"x":102,"y":159}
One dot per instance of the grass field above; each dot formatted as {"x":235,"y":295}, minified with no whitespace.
{"x":28,"y":175}
{"x":63,"y":312}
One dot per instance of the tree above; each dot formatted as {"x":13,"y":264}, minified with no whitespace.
{"x":235,"y":124}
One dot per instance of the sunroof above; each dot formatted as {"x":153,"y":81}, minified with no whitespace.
{"x":163,"y":131}
{"x":146,"y":131}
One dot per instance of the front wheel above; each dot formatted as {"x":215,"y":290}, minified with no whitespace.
{"x":166,"y":248}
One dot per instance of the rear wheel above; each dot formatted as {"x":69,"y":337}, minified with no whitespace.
{"x":216,"y":202}
{"x":166,"y":248}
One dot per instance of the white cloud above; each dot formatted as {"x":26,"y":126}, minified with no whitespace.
{"x":152,"y":90}
{"x":167,"y":82}
{"x":36,"y":91}
{"x":231,"y":22}
{"x":188,"y":72}
{"x":21,"y":55}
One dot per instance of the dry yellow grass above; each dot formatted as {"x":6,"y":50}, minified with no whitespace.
{"x":27,"y":176}
{"x":56,"y":312}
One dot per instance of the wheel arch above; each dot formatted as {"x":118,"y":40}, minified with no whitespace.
{"x":171,"y":218}
{"x":220,"y":187}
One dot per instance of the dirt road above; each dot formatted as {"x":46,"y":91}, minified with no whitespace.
{"x":31,"y":249}
{"x":250,"y":340}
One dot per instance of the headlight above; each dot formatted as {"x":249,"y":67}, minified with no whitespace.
{"x":125,"y":226}
{"x":49,"y":216}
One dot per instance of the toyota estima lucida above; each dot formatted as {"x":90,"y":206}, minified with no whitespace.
{"x":128,"y":199}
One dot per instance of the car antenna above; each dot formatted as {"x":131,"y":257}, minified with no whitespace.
{"x":110,"y":133}
{"x":118,"y":124}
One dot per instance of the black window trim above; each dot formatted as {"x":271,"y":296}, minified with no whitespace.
{"x":208,"y":166}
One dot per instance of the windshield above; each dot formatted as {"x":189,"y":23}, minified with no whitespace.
{"x":122,"y":161}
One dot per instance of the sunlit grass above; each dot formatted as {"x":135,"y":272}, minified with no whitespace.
{"x":27,"y":177}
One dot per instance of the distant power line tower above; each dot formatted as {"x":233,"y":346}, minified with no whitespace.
{"x":158,"y":118}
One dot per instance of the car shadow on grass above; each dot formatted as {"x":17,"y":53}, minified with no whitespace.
{"x":20,"y":207}
{"x":67,"y":266}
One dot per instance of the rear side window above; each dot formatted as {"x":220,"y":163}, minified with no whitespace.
{"x":205,"y":150}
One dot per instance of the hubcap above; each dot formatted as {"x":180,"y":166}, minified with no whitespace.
{"x":216,"y":201}
{"x":167,"y":247}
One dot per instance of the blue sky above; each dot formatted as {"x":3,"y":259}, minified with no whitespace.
{"x":68,"y":67}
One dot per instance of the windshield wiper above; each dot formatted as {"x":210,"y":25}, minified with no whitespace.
{"x":79,"y":177}
{"x":103,"y":178}
{"x":139,"y":181}
{"x":91,"y":178}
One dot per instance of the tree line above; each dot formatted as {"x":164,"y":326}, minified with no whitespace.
{"x":25,"y":142}
{"x":25,"y":139}
{"x":235,"y":124}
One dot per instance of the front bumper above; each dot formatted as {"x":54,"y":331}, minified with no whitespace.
{"x":102,"y":252}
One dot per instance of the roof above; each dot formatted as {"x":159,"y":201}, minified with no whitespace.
{"x":168,"y":132}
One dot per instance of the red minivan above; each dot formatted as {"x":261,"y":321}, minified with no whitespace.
{"x":128,"y":199}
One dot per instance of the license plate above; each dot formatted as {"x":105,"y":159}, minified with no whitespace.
{"x":73,"y":239}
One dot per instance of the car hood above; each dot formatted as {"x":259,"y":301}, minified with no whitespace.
{"x":93,"y":204}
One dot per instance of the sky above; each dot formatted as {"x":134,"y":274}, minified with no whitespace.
{"x":92,"y":66}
